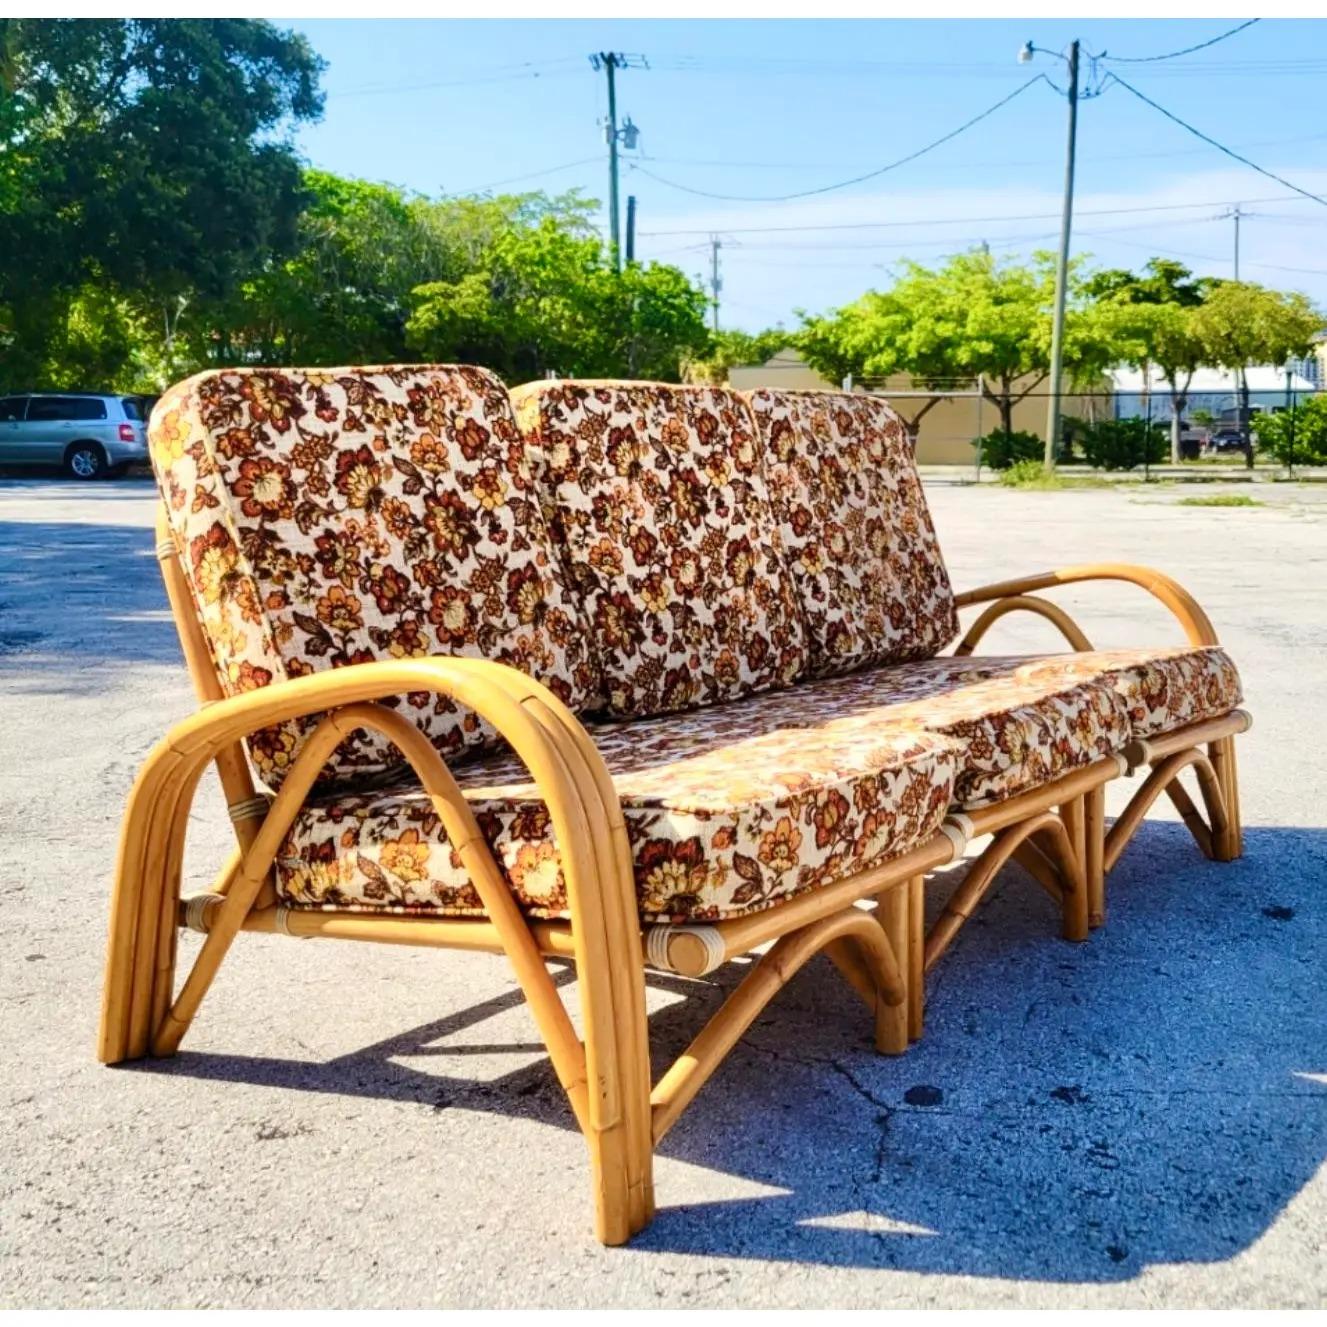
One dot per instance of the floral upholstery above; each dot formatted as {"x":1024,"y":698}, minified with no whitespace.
{"x":1016,"y":727}
{"x":729,"y":809}
{"x":338,"y":516}
{"x":1163,"y":689}
{"x":856,"y":529}
{"x":655,"y":496}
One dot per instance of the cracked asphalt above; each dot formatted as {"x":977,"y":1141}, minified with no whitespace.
{"x":1140,"y":1120}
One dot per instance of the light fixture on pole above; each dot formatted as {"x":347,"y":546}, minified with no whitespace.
{"x":1025,"y":55}
{"x":628,"y":135}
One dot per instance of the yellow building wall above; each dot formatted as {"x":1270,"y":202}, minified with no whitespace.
{"x":947,"y":430}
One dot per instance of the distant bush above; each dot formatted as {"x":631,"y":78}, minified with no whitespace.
{"x":1030,"y":474}
{"x":1123,"y":444}
{"x":1000,"y":450}
{"x":1310,"y":433}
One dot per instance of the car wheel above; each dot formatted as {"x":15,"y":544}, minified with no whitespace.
{"x":85,"y":460}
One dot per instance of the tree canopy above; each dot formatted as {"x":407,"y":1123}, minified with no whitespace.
{"x":156,"y":219}
{"x":148,"y":157}
{"x":975,"y":315}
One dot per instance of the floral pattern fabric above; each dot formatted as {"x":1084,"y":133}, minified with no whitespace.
{"x":1016,"y":729}
{"x":729,"y":810}
{"x":339,"y":516}
{"x":856,"y":529}
{"x":656,"y":497}
{"x":1163,"y":689}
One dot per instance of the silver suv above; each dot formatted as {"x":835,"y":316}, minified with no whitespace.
{"x":89,"y":434}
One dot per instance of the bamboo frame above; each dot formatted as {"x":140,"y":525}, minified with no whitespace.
{"x":607,"y":1074}
{"x":1219,"y":836}
{"x":1056,"y":831}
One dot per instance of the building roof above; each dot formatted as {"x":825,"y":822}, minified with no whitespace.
{"x":1215,"y":382}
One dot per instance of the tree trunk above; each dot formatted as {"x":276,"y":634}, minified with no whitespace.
{"x":1177,"y":403}
{"x":1006,"y":408}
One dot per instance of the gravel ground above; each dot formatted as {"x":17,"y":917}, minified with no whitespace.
{"x":1139,"y":1120}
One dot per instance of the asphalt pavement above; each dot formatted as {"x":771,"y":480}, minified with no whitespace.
{"x":1140,"y":1120}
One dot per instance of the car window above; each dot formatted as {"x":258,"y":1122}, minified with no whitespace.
{"x":132,"y":410}
{"x":11,"y":407}
{"x":66,"y":407}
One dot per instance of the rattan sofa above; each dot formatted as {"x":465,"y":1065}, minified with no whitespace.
{"x":627,"y":674}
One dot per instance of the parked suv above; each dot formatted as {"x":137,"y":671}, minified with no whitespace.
{"x":87,"y":433}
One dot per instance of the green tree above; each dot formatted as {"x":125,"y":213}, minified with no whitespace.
{"x":344,"y":295}
{"x":543,"y":298}
{"x":1297,"y":436}
{"x":1243,"y":324}
{"x":976,"y":315}
{"x":732,"y":347}
{"x":149,"y":156}
{"x":1155,"y":318}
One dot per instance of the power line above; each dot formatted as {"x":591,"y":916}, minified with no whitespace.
{"x":1213,"y":258}
{"x":1171,"y":55}
{"x":530,"y":175}
{"x":966,"y":221}
{"x":493,"y":75}
{"x":857,"y":179}
{"x":984,"y":163}
{"x":1220,"y":147}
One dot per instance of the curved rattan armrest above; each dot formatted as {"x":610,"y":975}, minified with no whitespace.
{"x":1186,"y":609}
{"x":488,"y":688}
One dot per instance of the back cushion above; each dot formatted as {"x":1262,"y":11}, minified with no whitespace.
{"x":856,"y":529}
{"x":337,"y":516}
{"x":655,"y":496}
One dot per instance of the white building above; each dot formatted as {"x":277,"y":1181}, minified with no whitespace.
{"x":1217,"y":390}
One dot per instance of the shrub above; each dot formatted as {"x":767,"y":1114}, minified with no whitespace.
{"x":1000,"y":450}
{"x":1310,"y":433}
{"x":1030,"y":474}
{"x":1121,"y":444}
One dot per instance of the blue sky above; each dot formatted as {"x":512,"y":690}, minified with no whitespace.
{"x":751,"y":107}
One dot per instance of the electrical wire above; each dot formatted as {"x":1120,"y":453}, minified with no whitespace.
{"x":530,"y":175}
{"x":967,"y":221}
{"x":529,"y":69}
{"x":857,"y":179}
{"x":1220,"y":147}
{"x":1172,"y":55}
{"x":983,"y":164}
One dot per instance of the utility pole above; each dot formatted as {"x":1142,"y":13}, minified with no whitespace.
{"x":610,"y":67}
{"x":716,"y":285}
{"x":610,"y":62}
{"x":631,"y":229}
{"x":1235,"y":214}
{"x":1062,"y":268}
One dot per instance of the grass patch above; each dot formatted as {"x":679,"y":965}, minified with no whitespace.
{"x":1221,"y":500}
{"x":1033,"y":475}
{"x":1030,"y":474}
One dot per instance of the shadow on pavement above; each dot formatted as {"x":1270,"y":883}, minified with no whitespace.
{"x":1074,"y":1113}
{"x":106,"y":580}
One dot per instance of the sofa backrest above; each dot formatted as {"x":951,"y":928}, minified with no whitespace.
{"x":337,"y":516}
{"x":856,"y":529}
{"x":656,"y":499}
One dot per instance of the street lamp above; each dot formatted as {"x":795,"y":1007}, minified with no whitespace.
{"x":1025,"y":54}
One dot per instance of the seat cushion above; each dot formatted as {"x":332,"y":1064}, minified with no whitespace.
{"x":856,"y":529}
{"x":729,"y":809}
{"x":1017,"y":727}
{"x":1163,"y":689}
{"x":656,"y":499}
{"x":340,"y":516}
